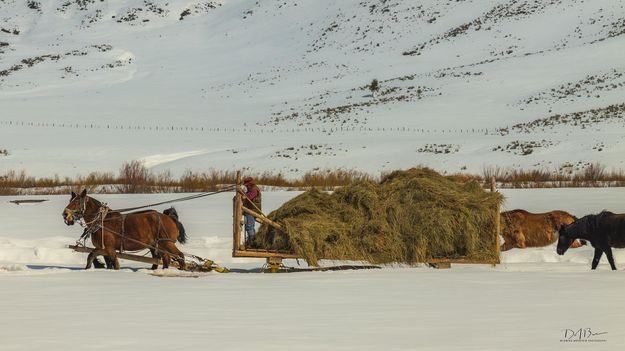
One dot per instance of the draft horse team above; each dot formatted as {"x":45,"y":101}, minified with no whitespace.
{"x":113,"y":231}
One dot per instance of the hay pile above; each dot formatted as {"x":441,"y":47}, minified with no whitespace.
{"x":409,"y":217}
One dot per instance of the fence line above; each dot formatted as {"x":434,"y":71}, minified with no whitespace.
{"x":259,"y":129}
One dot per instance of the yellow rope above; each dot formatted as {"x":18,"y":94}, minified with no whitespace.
{"x":103,"y":211}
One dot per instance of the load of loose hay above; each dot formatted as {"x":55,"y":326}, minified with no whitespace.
{"x":408,"y":217}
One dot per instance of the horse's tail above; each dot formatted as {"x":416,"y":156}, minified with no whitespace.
{"x":173,"y":214}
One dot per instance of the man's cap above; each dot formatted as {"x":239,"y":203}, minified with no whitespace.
{"x":248,"y":180}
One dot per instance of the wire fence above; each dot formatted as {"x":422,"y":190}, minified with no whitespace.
{"x":238,"y":130}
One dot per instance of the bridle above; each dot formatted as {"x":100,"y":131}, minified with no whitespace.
{"x":78,"y":214}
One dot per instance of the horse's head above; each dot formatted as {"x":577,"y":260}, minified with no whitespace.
{"x":564,"y":240}
{"x":76,"y":208}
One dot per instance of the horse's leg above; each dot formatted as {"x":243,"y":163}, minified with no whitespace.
{"x":109,"y":253}
{"x":90,"y":259}
{"x":112,"y":255}
{"x":156,"y":256}
{"x":597,"y":258}
{"x":520,"y":239}
{"x":110,"y":264}
{"x":608,"y":253}
{"x":177,"y":254}
{"x":165,"y":257}
{"x":97,"y":264}
{"x":97,"y":251}
{"x":507,"y":243}
{"x":92,"y":256}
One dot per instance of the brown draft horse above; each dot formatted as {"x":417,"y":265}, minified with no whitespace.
{"x":111,"y":230}
{"x":521,"y":229}
{"x":604,"y":231}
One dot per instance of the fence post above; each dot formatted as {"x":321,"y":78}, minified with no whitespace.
{"x":493,"y":188}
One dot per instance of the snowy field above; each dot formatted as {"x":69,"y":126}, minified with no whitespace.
{"x":531,"y":301}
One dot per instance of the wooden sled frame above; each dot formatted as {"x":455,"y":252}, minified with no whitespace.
{"x":239,"y":249}
{"x":206,"y":266}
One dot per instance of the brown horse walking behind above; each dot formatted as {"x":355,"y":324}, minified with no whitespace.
{"x":521,"y":229}
{"x":112,"y":231}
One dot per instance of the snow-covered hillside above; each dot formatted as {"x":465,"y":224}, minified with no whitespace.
{"x":282,"y":85}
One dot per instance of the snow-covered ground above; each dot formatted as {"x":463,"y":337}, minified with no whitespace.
{"x":281,"y":85}
{"x":531,"y":301}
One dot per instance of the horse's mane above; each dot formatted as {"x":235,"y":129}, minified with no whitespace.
{"x":581,"y":225}
{"x":171,"y":212}
{"x":518,"y":210}
{"x":605,"y":212}
{"x":97,"y":202}
{"x":588,"y":224}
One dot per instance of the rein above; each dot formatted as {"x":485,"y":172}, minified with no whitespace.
{"x":104,"y":209}
{"x":186,"y":198}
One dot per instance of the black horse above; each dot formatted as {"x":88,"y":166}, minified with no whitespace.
{"x":604,"y":231}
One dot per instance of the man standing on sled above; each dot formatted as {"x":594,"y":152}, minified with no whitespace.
{"x":252,"y":200}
